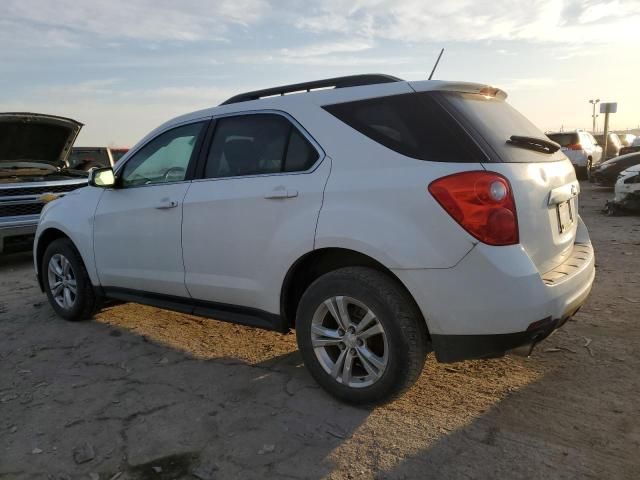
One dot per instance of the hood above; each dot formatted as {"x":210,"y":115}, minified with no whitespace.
{"x":634,"y":169}
{"x":36,"y":138}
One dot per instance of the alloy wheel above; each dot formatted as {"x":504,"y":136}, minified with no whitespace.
{"x":62,"y":281}
{"x":349,"y":342}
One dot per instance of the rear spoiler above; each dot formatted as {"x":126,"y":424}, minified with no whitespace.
{"x":460,"y":87}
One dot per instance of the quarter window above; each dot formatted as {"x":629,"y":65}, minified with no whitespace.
{"x":415,"y":125}
{"x":257,"y":144}
{"x":164,"y":159}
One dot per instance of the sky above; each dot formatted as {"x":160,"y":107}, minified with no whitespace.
{"x":122,"y":67}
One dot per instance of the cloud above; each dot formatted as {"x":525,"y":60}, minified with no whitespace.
{"x":574,"y":21}
{"x":155,"y":20}
{"x":342,"y":53}
{"x":316,"y":49}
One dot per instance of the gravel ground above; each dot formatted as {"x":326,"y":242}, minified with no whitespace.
{"x":142,"y":393}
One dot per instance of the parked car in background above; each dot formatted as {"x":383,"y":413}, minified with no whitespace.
{"x":581,"y":148}
{"x":86,"y":158}
{"x":117,"y":153}
{"x":626,"y":192}
{"x":607,"y":172}
{"x":634,"y":147}
{"x":613,"y":145}
{"x":33,"y":151}
{"x":357,"y":210}
{"x":626,"y":139}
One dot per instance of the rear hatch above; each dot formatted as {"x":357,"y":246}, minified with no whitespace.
{"x":542,"y":178}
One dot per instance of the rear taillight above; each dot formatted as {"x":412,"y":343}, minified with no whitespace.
{"x":482,"y":203}
{"x":574,"y":146}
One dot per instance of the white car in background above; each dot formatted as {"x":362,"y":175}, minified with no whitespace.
{"x":379,"y":218}
{"x":628,"y":185}
{"x":582,"y":149}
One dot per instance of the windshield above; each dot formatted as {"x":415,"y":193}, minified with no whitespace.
{"x":88,"y":157}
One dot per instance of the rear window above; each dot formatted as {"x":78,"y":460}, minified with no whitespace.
{"x":495,"y":121}
{"x":564,"y":139}
{"x":415,"y":125}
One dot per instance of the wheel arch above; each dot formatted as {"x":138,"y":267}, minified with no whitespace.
{"x":318,"y":262}
{"x":44,"y":240}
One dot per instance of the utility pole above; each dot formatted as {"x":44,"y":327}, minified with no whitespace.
{"x":593,"y":115}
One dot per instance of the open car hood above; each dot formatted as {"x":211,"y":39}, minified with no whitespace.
{"x":36,"y":137}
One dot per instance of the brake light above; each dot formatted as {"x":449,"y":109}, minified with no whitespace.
{"x":482,"y":203}
{"x":574,"y":146}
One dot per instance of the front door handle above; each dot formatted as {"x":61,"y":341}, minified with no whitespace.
{"x":281,"y":192}
{"x":166,"y":203}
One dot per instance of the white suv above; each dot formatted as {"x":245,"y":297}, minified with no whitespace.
{"x":382,"y":219}
{"x":582,"y":149}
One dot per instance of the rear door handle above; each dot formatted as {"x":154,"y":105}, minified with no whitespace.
{"x":165,"y":204}
{"x":281,"y":192}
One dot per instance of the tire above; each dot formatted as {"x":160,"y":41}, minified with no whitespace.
{"x":400,"y":349}
{"x":84,"y":302}
{"x":589,"y":168}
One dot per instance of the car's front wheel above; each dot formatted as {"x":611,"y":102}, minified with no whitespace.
{"x":361,"y":335}
{"x":66,"y":281}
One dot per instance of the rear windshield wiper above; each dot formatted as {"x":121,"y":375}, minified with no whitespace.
{"x":534,"y":143}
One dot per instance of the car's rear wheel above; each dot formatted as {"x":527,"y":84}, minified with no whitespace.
{"x":360,"y":334}
{"x":66,"y":281}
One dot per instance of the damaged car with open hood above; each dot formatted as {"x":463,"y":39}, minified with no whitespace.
{"x":34,"y":149}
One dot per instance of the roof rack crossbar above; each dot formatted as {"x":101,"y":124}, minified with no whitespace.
{"x":338,"y":82}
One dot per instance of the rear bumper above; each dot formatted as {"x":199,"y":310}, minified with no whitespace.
{"x":17,"y":232}
{"x":578,"y":158}
{"x":454,"y":348}
{"x":495,"y":300}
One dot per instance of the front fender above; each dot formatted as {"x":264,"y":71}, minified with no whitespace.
{"x":73,"y":216}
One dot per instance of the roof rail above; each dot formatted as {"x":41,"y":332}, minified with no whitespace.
{"x":338,"y":82}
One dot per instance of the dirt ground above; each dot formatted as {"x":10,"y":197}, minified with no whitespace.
{"x":142,"y":393}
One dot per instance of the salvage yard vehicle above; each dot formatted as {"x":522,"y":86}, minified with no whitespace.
{"x":86,"y":158}
{"x":581,"y":148}
{"x":379,"y":218}
{"x":33,"y":151}
{"x":627,"y":192}
{"x":634,"y":147}
{"x":606,"y":174}
{"x":614,"y":145}
{"x":626,"y":139}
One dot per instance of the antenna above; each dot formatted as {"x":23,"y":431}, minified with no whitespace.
{"x":436,"y":65}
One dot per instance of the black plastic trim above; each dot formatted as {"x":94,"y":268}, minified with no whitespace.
{"x":337,"y":82}
{"x":455,"y":348}
{"x":252,"y":317}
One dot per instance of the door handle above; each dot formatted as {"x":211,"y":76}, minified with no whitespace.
{"x":281,"y":192}
{"x":165,"y":204}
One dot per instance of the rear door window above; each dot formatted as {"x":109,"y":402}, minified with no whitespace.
{"x":257,"y":144}
{"x":415,"y":125}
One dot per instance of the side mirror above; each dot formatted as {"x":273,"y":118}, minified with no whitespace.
{"x":102,"y":177}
